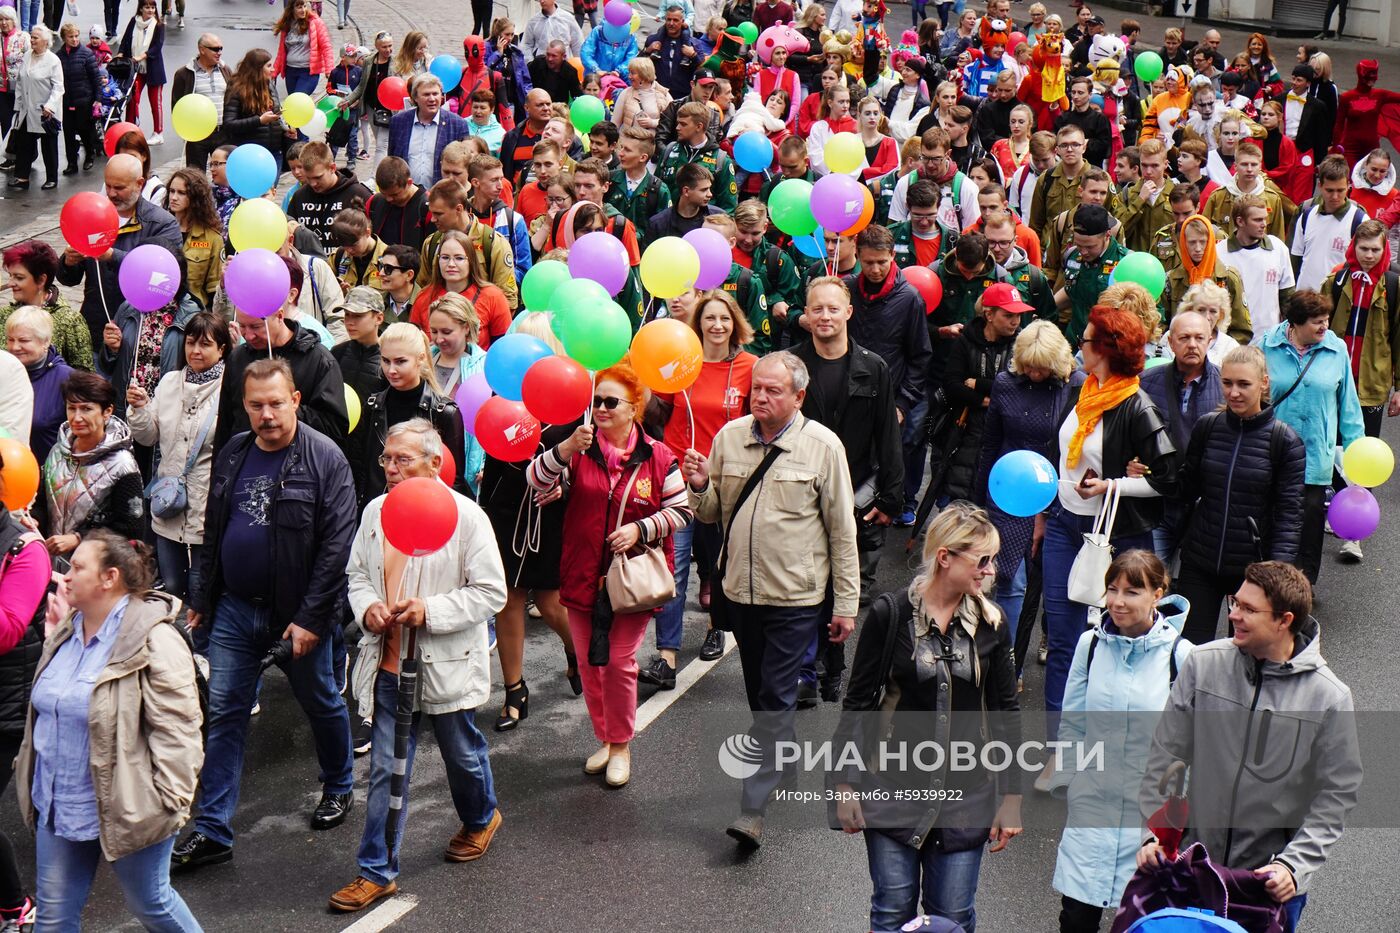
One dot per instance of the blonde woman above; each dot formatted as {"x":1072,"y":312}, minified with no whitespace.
{"x":412,"y":392}
{"x":947,"y":633}
{"x":1213,"y":301}
{"x":412,"y":57}
{"x":452,"y":328}
{"x":641,"y":103}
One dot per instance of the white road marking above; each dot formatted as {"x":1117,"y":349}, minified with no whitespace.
{"x":688,"y":677}
{"x":387,"y":913}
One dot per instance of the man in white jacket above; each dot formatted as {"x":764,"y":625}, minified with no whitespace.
{"x":449,"y":596}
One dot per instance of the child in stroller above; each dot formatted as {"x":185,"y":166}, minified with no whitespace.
{"x":116,"y":78}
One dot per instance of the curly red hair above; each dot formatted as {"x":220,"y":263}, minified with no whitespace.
{"x":621,"y":372}
{"x":1119,"y":336}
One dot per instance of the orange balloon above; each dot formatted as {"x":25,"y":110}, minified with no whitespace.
{"x":578,"y":66}
{"x":867,"y":213}
{"x":19,"y":479}
{"x":666,"y":356}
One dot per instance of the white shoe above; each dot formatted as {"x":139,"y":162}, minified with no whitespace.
{"x":597,"y":762}
{"x":155,"y":140}
{"x":620,"y":768}
{"x":180,"y":23}
{"x":257,"y":708}
{"x":1350,"y":552}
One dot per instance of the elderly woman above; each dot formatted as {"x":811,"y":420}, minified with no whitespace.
{"x":14,"y":44}
{"x":82,"y":86}
{"x":32,"y":270}
{"x":90,"y":479}
{"x":38,"y":103}
{"x":641,"y":103}
{"x":29,"y":336}
{"x":1214,"y":302}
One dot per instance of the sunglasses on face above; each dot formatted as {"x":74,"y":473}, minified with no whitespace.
{"x":213,"y":48}
{"x":607,"y":401}
{"x":982,"y":562}
{"x":386,"y":269}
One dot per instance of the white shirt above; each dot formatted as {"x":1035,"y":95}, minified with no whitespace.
{"x":1321,"y":240}
{"x":961,"y":210}
{"x":1090,"y":457}
{"x":1292,"y":114}
{"x":422,"y":145}
{"x":1263,"y":270}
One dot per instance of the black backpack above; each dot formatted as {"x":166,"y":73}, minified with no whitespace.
{"x":1171,"y":659}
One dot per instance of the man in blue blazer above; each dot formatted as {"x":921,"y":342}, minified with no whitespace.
{"x":419,"y":135}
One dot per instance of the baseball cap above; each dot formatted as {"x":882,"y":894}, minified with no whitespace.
{"x":350,"y":50}
{"x":1004,"y":296}
{"x":361,"y":300}
{"x":1091,"y":220}
{"x":1096,"y":20}
{"x":705,"y":76}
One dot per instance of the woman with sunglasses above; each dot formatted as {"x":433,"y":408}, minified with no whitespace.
{"x":1109,"y":423}
{"x":458,"y":269}
{"x":952,"y":655}
{"x":625,"y":491}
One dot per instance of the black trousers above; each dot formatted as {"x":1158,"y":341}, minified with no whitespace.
{"x":197,"y":154}
{"x":28,"y":145}
{"x":7,"y":111}
{"x":1205,"y":591}
{"x":11,"y":890}
{"x":1340,"y":6}
{"x":1079,"y":917}
{"x":53,"y":14}
{"x":79,"y":127}
{"x":1314,"y":520}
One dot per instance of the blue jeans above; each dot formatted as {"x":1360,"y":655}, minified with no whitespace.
{"x":911,"y":435}
{"x":300,"y":80}
{"x":1166,"y":536}
{"x":1292,"y":911}
{"x":1065,"y":621}
{"x":31,"y":13}
{"x":65,"y":871}
{"x":241,"y":635}
{"x":697,"y":536}
{"x":900,"y":874}
{"x":464,"y":755}
{"x":1011,"y":596}
{"x":179,"y":568}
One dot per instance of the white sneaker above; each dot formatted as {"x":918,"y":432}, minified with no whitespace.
{"x":155,"y":140}
{"x":180,"y":23}
{"x":1045,"y":778}
{"x":1350,"y":552}
{"x":257,"y":708}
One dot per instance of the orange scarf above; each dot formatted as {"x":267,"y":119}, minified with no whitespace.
{"x":1094,"y":400}
{"x":1197,"y":272}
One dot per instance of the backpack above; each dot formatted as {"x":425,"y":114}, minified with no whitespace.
{"x":1171,"y":659}
{"x":1357,"y":217}
{"x":1392,"y":293}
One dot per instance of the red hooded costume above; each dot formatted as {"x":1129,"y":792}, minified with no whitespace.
{"x":1365,"y":113}
{"x":477,"y":77}
{"x":1043,"y":88}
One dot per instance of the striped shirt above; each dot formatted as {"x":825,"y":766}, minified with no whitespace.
{"x":550,"y":470}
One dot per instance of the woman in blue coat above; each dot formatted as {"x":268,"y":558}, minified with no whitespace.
{"x":602,"y":55}
{"x":1125,"y":664}
{"x":82,"y":86}
{"x":1310,"y":377}
{"x":143,"y":44}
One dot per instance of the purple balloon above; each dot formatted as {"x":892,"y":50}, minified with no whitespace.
{"x":1354,"y":513}
{"x":715,"y":256}
{"x":257,"y":282}
{"x":149,"y":277}
{"x":601,"y":257}
{"x":837,"y":201}
{"x":618,"y":12}
{"x":471,"y":395}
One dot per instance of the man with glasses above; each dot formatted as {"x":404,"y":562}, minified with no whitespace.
{"x":1057,"y":190}
{"x":1000,"y":228}
{"x":992,"y":199}
{"x":1268,"y":731}
{"x":918,"y":241}
{"x":1096,"y":130}
{"x":1088,"y":265}
{"x":957,"y":194}
{"x":206,"y":74}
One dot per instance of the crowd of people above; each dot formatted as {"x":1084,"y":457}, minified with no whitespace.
{"x":211,"y":482}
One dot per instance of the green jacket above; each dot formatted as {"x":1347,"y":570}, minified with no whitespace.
{"x":959,"y":304}
{"x":726,"y":190}
{"x":1032,"y":284}
{"x":71,"y":337}
{"x":1085,"y":282}
{"x":650,"y":199}
{"x":1140,"y":219}
{"x":747,"y":289}
{"x":777,"y":271}
{"x":1380,"y":346}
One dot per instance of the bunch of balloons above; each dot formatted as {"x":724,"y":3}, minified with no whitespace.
{"x":1354,"y":513}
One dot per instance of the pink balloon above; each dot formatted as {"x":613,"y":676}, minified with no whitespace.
{"x":600,"y":256}
{"x":471,"y":395}
{"x":837,"y":201}
{"x":618,"y":12}
{"x":149,"y":277}
{"x":257,"y":282}
{"x":716,"y":256}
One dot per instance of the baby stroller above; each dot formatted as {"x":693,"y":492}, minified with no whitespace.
{"x":118,"y":77}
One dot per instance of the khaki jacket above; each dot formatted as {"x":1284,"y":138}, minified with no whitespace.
{"x":797,"y":529}
{"x":143,"y":728}
{"x":1141,"y":219}
{"x":204,"y":263}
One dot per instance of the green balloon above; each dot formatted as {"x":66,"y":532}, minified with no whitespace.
{"x":539,"y":283}
{"x":586,"y":112}
{"x":1143,"y":268}
{"x":596,"y":335}
{"x":790,"y":206}
{"x":1148,"y":66}
{"x":327,"y":105}
{"x":749,"y":31}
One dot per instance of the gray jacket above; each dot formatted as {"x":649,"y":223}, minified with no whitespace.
{"x":1273,"y":752}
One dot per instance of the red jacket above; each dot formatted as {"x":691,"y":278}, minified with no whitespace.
{"x":322,"y":52}
{"x":886,"y":160}
{"x":591,"y":513}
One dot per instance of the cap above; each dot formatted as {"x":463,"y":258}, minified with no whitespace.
{"x":350,"y":50}
{"x":1091,"y":220}
{"x":1096,"y":20}
{"x":361,"y":300}
{"x":1004,"y":296}
{"x":1304,"y":70}
{"x":97,"y":31}
{"x":705,"y":76}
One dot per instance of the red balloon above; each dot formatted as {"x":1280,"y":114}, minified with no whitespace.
{"x":392,"y":91}
{"x":114,"y":134}
{"x":927,"y":284}
{"x":506,"y":430}
{"x":448,"y":473}
{"x":419,"y":516}
{"x":89,"y":223}
{"x":556,"y":390}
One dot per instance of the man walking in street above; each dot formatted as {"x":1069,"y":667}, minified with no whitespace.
{"x":418,"y":136}
{"x":776,"y":594}
{"x":206,"y":74}
{"x":458,"y":590}
{"x":280,"y":520}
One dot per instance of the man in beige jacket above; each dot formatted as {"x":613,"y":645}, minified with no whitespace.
{"x":790,"y":542}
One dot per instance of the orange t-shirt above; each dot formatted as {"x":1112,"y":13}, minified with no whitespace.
{"x":926,"y":251}
{"x":531,"y":202}
{"x":492,"y":310}
{"x":719,"y":395}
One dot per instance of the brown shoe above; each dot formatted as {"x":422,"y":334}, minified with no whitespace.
{"x":468,"y":846}
{"x":360,"y":893}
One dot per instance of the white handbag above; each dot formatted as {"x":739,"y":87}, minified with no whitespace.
{"x":1086,"y":575}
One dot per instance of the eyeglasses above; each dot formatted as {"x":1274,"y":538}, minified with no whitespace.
{"x":1069,"y":145}
{"x":212,"y":48}
{"x":451,"y":260}
{"x":214,"y":162}
{"x":399,"y":462}
{"x":386,"y":269}
{"x":1245,"y":609}
{"x":982,"y":562}
{"x":609,"y":402}
{"x":549,"y":200}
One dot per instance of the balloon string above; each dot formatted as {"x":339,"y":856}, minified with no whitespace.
{"x":101,"y":292}
{"x":593,"y":388}
{"x":689,"y":410}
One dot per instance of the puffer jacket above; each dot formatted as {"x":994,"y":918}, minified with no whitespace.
{"x":173,"y":419}
{"x":463,"y":585}
{"x":143,"y":729}
{"x":1104,"y":826}
{"x":1244,"y":487}
{"x":46,"y":378}
{"x":81,"y":82}
{"x":599,"y":54}
{"x":1273,"y":752}
{"x":100,"y":488}
{"x":972,"y":357}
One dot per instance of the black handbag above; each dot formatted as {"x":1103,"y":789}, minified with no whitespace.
{"x":721,"y":609}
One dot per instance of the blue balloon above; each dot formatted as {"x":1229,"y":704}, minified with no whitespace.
{"x":1022,"y":483}
{"x":753,"y":151}
{"x":813,"y":244}
{"x":614,"y":33}
{"x":252,"y":170}
{"x":508,"y":359}
{"x":447,"y":70}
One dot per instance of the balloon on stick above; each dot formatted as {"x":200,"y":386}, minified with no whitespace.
{"x":1022,"y":483}
{"x":506,"y":430}
{"x":601,"y":257}
{"x":1368,"y":461}
{"x":927,"y":283}
{"x":114,"y":134}
{"x":753,"y":151}
{"x":836,"y":201}
{"x":716,"y":256}
{"x":257,"y":223}
{"x":508,"y":360}
{"x":596,"y":336}
{"x":471,"y":395}
{"x":447,"y":70}
{"x":1354,"y":513}
{"x":251,"y":170}
{"x":392,"y":93}
{"x":540,"y":282}
{"x":89,"y":223}
{"x":149,"y":277}
{"x":1148,"y":66}
{"x":557,"y":390}
{"x":19,"y":477}
{"x":790,"y":207}
{"x":843,"y":152}
{"x":586,"y":112}
{"x":419,"y":516}
{"x":1143,"y":268}
{"x":194,"y":118}
{"x":666,"y":355}
{"x":352,"y":406}
{"x":298,"y":109}
{"x":257,"y":282}
{"x":448,"y":471}
{"x":867,"y":213}
{"x":570,"y":297}
{"x":618,"y":12}
{"x":670,"y":267}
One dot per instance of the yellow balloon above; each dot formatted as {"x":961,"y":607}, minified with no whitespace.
{"x":1369,"y":461}
{"x":194,"y":117}
{"x":297,"y":110}
{"x":843,"y":152}
{"x":670,"y":267}
{"x":352,"y":406}
{"x":257,"y":223}
{"x":636,"y":21}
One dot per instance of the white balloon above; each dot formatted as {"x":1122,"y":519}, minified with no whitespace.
{"x":316,"y":129}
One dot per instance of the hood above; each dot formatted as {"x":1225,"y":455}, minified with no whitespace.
{"x":344,"y":178}
{"x":1018,"y":260}
{"x":304,"y":339}
{"x":144,"y":612}
{"x":1233,"y":187}
{"x":1196,"y":272}
{"x":1307,"y":655}
{"x":1171,"y":619}
{"x":1367,"y":71}
{"x":118,"y":438}
{"x":1358,"y":179}
{"x":1376,"y":272}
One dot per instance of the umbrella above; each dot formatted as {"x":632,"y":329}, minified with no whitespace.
{"x":1168,"y":823}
